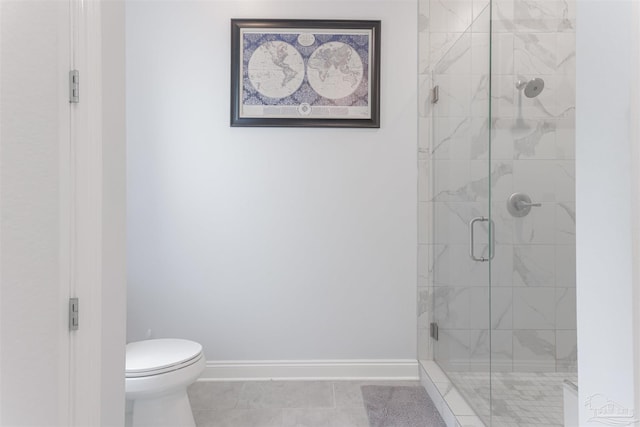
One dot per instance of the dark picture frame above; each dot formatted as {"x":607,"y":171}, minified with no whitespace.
{"x":305,"y":73}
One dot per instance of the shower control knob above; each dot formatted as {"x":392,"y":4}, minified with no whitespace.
{"x":519,"y":205}
{"x":523,"y":204}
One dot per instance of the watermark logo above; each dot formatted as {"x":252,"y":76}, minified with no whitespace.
{"x":606,"y":411}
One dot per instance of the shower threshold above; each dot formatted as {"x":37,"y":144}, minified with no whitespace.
{"x":453,"y":407}
{"x":518,"y":398}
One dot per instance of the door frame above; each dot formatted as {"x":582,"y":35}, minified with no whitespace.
{"x":98,"y":218}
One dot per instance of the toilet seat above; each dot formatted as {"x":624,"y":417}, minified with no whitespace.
{"x":160,"y":356}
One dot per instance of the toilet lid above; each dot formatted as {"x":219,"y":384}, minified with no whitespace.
{"x":153,"y":357}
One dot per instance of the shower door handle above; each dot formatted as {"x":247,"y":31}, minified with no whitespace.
{"x":472,"y":224}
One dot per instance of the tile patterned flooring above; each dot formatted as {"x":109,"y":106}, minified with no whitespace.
{"x":520,"y":399}
{"x":281,"y":403}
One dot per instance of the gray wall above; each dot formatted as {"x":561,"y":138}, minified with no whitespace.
{"x":267,"y":244}
{"x":606,"y":192}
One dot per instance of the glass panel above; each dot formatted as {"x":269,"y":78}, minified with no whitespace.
{"x":505,"y":125}
{"x":533,"y":336}
{"x":460,"y":194}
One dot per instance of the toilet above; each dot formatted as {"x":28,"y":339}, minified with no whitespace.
{"x":158,"y":373}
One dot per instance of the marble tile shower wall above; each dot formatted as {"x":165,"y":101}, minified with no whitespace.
{"x":533,"y":306}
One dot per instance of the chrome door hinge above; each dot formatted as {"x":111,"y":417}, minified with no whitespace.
{"x":435,"y":94}
{"x":73,"y":314}
{"x":74,"y":86}
{"x":433,"y":330}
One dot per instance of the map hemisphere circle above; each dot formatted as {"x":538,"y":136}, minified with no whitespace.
{"x":335,"y":70}
{"x":276,"y":69}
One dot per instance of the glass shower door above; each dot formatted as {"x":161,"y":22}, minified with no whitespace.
{"x":460,"y":205}
{"x":502,"y":204}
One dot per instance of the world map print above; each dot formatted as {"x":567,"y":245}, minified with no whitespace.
{"x":305,"y":71}
{"x":276,"y":69}
{"x":335,"y":70}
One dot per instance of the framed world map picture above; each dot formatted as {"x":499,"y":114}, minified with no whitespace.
{"x":305,"y":73}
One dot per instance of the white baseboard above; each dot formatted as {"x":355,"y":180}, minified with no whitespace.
{"x":252,"y":370}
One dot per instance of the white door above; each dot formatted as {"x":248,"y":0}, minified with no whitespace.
{"x":34,"y":213}
{"x":62,"y":213}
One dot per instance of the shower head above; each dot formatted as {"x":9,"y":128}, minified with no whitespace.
{"x":532,"y":88}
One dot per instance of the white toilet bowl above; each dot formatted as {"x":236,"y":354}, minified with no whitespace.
{"x":158,"y":373}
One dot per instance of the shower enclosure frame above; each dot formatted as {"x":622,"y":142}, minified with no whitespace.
{"x":493,"y":214}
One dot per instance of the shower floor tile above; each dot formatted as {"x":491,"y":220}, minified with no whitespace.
{"x":520,"y":399}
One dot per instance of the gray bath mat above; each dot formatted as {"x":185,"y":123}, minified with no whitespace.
{"x":400,"y":406}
